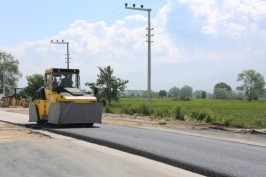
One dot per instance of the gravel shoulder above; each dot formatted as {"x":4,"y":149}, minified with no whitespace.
{"x":10,"y":133}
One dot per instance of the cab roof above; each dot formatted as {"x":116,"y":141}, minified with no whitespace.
{"x":52,"y":70}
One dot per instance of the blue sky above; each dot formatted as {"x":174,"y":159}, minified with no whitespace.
{"x":196,"y":42}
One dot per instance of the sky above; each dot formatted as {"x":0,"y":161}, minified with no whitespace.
{"x":196,"y":42}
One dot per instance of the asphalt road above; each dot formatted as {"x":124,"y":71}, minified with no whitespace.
{"x":72,"y":158}
{"x":30,"y":153}
{"x":205,"y":156}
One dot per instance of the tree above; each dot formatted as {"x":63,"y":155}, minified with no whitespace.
{"x":109,"y":85}
{"x":186,"y":92}
{"x":174,"y":92}
{"x":238,"y":95}
{"x":12,"y":73}
{"x":162,"y":93}
{"x":222,"y":91}
{"x":223,"y":85}
{"x":203,"y":95}
{"x":35,"y":81}
{"x":263,"y":95}
{"x":253,"y":83}
{"x":199,"y":94}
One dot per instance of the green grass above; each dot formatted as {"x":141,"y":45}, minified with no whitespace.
{"x":237,"y":113}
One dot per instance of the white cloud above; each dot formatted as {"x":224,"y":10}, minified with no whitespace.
{"x":230,"y":17}
{"x":235,"y":30}
{"x":121,"y":45}
{"x":222,"y":33}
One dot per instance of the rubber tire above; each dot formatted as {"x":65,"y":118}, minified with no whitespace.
{"x":24,"y":103}
{"x":6,"y":103}
{"x":90,"y":124}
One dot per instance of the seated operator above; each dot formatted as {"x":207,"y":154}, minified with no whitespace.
{"x":66,"y":82}
{"x":55,"y":83}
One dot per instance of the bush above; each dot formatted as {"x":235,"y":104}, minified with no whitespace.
{"x":185,"y":98}
{"x":194,"y":114}
{"x":162,"y":112}
{"x":226,"y":122}
{"x":204,"y":114}
{"x":208,"y":119}
{"x":177,"y":113}
{"x":143,"y":109}
{"x":108,"y":109}
{"x":128,"y":109}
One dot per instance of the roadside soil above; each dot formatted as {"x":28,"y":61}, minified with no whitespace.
{"x":10,"y":132}
{"x":147,"y":122}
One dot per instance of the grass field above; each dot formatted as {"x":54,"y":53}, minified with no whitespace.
{"x":237,"y":113}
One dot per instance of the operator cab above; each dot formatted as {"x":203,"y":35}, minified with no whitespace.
{"x":57,"y":79}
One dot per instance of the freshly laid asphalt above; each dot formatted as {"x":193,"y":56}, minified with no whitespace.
{"x":205,"y":156}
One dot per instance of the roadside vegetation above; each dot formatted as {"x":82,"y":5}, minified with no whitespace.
{"x":243,"y":107}
{"x":236,"y":113}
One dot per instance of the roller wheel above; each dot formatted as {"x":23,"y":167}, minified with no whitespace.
{"x":24,"y":103}
{"x":6,"y":103}
{"x":89,"y":124}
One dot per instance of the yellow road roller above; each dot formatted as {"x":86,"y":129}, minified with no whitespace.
{"x":18,"y":98}
{"x":60,"y":101}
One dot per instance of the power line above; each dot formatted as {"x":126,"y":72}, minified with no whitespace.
{"x":200,"y":23}
{"x":153,"y":2}
{"x":197,"y":26}
{"x":118,"y":12}
{"x":221,"y":13}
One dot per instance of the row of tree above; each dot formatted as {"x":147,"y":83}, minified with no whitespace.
{"x":111,"y":87}
{"x":185,"y":92}
{"x":252,"y":87}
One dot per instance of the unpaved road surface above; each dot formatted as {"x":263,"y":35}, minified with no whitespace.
{"x":11,"y":133}
{"x":29,"y":153}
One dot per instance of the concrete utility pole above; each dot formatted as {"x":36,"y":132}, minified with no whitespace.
{"x":67,"y":54}
{"x":4,"y":73}
{"x":149,"y":46}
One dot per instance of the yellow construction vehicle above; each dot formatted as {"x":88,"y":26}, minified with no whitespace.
{"x":18,"y":98}
{"x":61,"y":101}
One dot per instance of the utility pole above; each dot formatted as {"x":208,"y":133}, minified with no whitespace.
{"x":67,"y":54}
{"x":4,"y":73}
{"x":149,"y":45}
